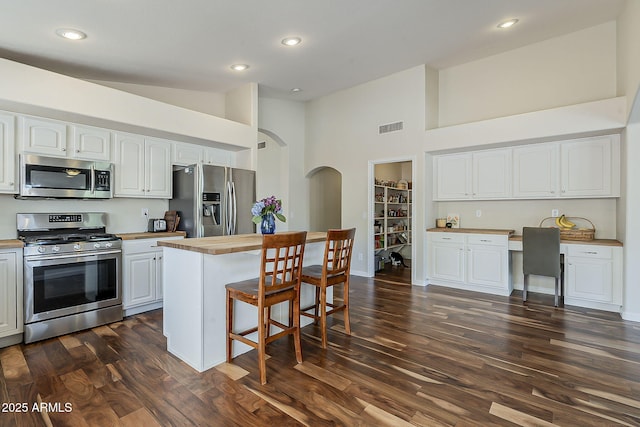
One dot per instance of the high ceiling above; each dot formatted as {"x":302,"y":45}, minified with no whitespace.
{"x":191,"y":44}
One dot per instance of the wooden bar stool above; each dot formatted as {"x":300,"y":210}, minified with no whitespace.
{"x":279,"y":281}
{"x":334,"y":271}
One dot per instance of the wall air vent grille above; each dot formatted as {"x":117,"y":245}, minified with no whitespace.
{"x":262,"y":144}
{"x":391,"y":127}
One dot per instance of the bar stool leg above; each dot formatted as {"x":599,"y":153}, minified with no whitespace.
{"x":229,"y":326}
{"x":315,"y":311}
{"x":347,"y":323}
{"x":323,"y":315}
{"x":524,"y":288}
{"x":262,"y":347}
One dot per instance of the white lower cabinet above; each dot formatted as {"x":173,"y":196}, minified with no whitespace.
{"x":476,"y":262}
{"x":142,"y":275}
{"x":11,"y":320}
{"x":593,"y":276}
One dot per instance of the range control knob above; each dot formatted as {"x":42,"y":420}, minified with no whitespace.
{"x":96,"y":245}
{"x":41,"y":249}
{"x":77,"y":247}
{"x":108,"y":245}
{"x":55,"y":248}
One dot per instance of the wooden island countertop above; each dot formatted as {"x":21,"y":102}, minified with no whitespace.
{"x":218,"y":245}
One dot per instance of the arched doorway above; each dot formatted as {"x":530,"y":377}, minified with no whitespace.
{"x":325,"y":204}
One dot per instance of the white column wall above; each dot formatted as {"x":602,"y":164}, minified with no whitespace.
{"x":342,"y":132}
{"x":285,"y":120}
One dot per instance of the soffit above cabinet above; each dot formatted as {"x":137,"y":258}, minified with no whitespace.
{"x":574,"y":121}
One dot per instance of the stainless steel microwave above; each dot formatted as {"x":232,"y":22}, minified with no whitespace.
{"x":59,"y":178}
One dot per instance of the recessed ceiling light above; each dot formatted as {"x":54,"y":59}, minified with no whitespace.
{"x":296,"y":89}
{"x":508,"y":24}
{"x":291,"y":41}
{"x":71,"y":34}
{"x":239,"y":67}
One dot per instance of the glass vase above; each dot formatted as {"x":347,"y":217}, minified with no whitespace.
{"x":268,"y":224}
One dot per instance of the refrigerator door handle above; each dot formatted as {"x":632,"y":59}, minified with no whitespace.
{"x":235,"y":208}
{"x":198,"y":196}
{"x":229,"y":209}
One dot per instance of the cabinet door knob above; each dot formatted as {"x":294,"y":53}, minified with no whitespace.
{"x":64,"y":149}
{"x":78,"y":150}
{"x":11,"y":184}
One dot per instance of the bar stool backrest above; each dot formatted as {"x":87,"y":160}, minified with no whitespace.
{"x":337,"y":251}
{"x":282,"y":255}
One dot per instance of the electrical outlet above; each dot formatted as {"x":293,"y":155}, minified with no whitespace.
{"x":145,"y":212}
{"x":478,"y":213}
{"x":555,"y":213}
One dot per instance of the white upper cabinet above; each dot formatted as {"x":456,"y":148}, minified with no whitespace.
{"x":187,"y":154}
{"x":143,"y":167}
{"x":90,"y":143}
{"x":477,"y":175}
{"x":8,"y":181}
{"x":535,"y":171}
{"x":59,"y":139}
{"x":579,"y":168}
{"x":492,"y":174}
{"x":452,"y":177}
{"x":158,"y":168}
{"x":217,"y":156}
{"x":40,"y":136}
{"x":591,"y":167}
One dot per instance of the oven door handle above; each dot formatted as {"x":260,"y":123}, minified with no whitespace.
{"x":75,"y":255}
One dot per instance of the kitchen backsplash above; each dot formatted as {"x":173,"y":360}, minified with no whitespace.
{"x":125,"y":215}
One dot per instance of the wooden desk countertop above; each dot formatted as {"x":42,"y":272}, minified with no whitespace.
{"x":11,"y":244}
{"x":601,"y":242}
{"x":218,"y":245}
{"x":472,"y":230}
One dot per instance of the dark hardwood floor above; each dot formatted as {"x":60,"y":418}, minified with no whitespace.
{"x":418,"y":356}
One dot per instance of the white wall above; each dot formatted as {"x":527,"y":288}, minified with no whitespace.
{"x":627,"y":52}
{"x":271,"y":176}
{"x":515,"y":214}
{"x":343,"y":134}
{"x":567,"y":70}
{"x":629,"y":203}
{"x":211,"y":103}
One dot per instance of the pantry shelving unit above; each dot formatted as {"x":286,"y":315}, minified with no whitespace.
{"x":392,"y":217}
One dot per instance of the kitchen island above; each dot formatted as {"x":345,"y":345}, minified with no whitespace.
{"x":195,"y":272}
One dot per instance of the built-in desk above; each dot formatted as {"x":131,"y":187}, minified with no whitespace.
{"x":489,"y":260}
{"x":592,"y":273}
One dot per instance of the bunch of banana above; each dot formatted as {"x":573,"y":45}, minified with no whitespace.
{"x":564,"y":223}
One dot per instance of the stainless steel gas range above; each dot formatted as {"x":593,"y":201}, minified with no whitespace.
{"x":72,"y":273}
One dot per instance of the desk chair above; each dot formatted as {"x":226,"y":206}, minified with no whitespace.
{"x":333,"y":271}
{"x":541,"y":257}
{"x":279,"y":281}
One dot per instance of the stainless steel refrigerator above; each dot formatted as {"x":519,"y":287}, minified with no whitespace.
{"x":213,"y":200}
